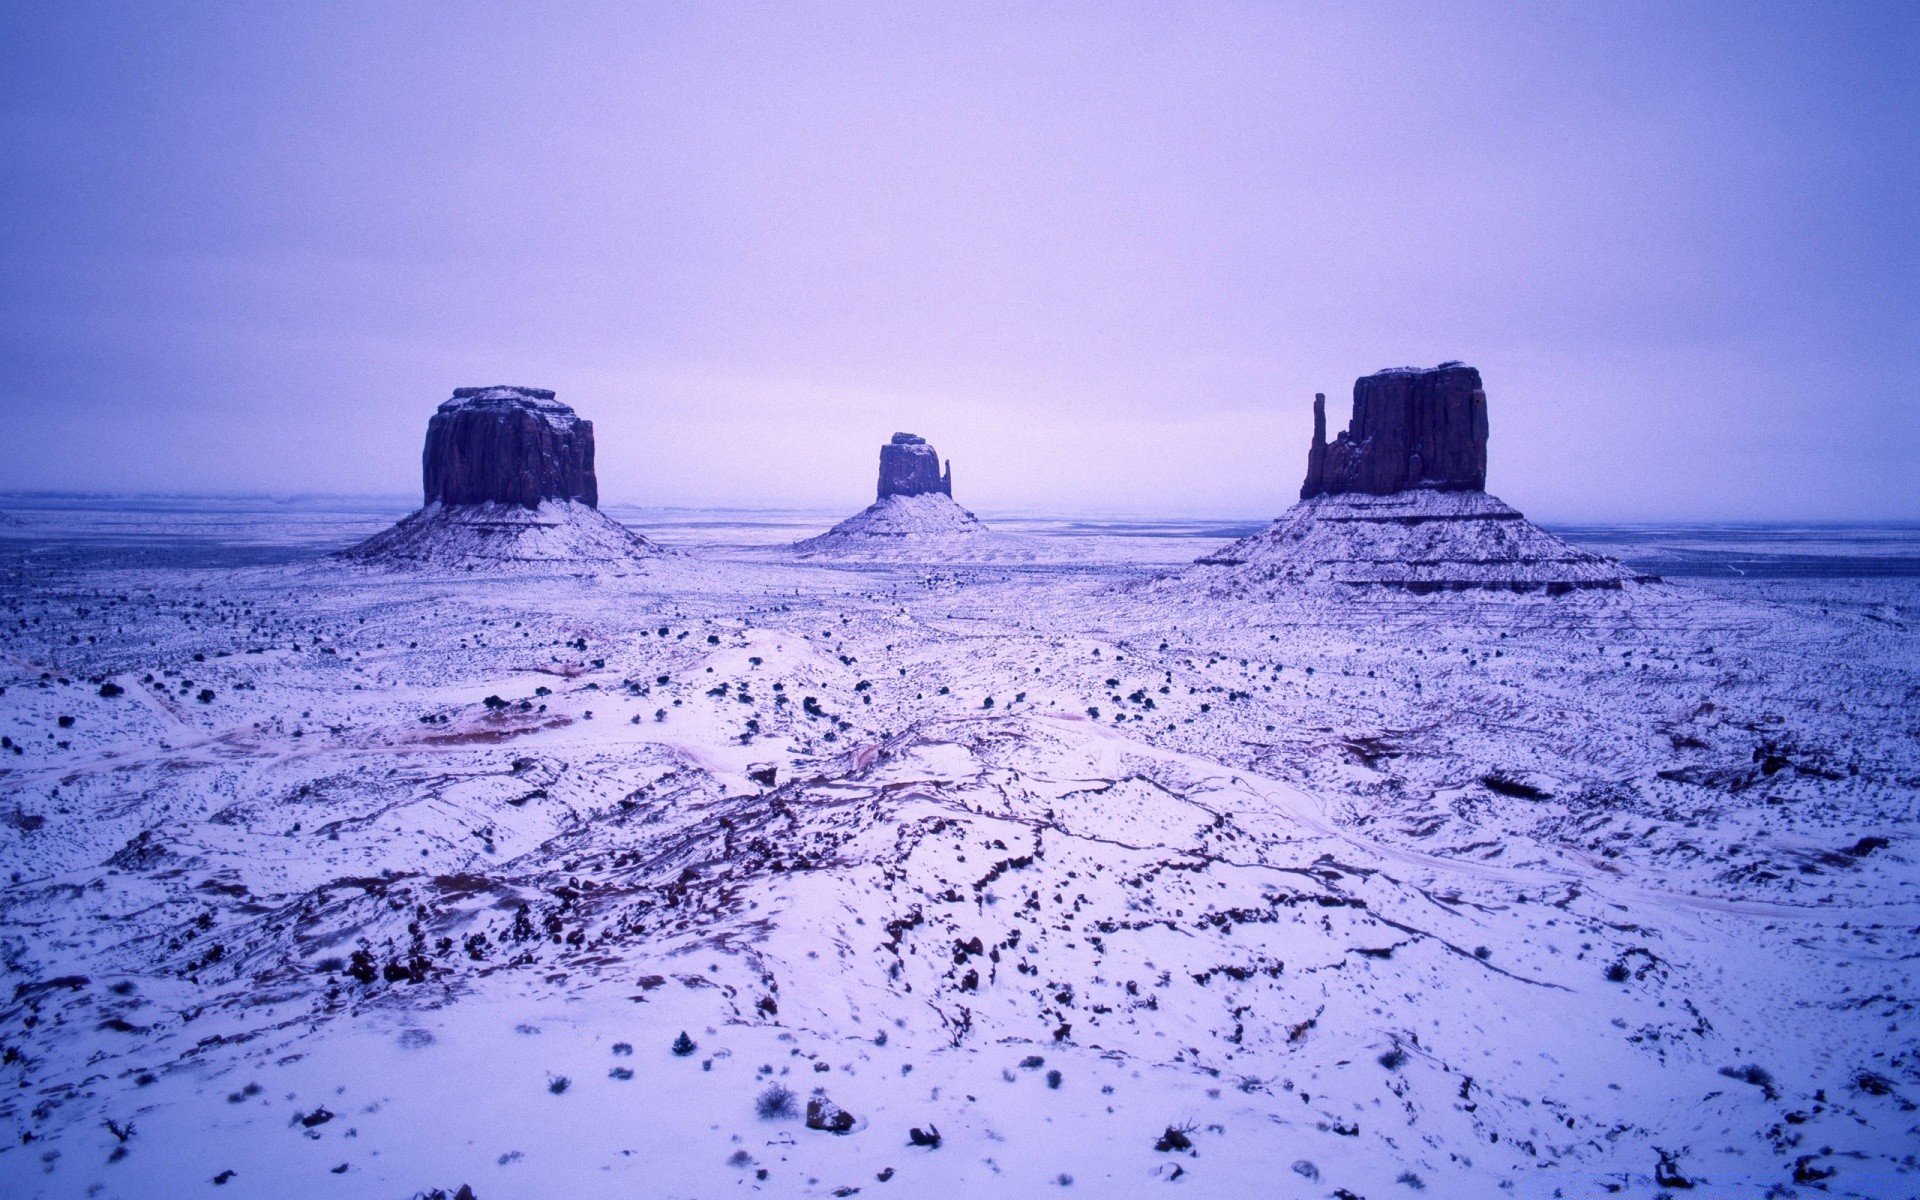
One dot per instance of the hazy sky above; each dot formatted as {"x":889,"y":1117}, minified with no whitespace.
{"x":1101,"y":254}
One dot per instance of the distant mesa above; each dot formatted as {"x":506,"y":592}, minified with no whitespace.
{"x":911,"y":467}
{"x":914,"y":514}
{"x":1398,"y":500}
{"x":508,"y":479}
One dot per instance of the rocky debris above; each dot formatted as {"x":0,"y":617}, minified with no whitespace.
{"x":509,"y":482}
{"x":1411,"y":428}
{"x":1399,"y":500}
{"x":909,"y":466}
{"x":508,"y":445}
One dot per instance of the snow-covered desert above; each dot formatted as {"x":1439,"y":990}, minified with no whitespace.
{"x":979,"y":858}
{"x":845,"y":598}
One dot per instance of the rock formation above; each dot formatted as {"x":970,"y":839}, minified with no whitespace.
{"x":1411,"y":428}
{"x":911,"y":467}
{"x":508,"y":479}
{"x":914,"y":515}
{"x":1398,"y":500}
{"x":508,"y":445}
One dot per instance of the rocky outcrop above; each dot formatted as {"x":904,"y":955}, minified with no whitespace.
{"x":1420,"y":540}
{"x":508,"y":445}
{"x":509,"y":482}
{"x":915,"y":519}
{"x":911,"y":467}
{"x":1399,"y":501}
{"x":1411,"y":428}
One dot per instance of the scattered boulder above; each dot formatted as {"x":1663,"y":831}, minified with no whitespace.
{"x":828,"y":1117}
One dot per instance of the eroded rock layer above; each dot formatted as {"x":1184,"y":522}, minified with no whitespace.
{"x":1423,"y":541}
{"x":508,"y":476}
{"x":508,"y":445}
{"x":909,"y":466}
{"x":1411,"y":428}
{"x":1398,"y":500}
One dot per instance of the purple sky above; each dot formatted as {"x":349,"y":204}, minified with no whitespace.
{"x":1102,"y":255}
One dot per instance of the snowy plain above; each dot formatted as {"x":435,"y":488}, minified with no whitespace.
{"x":322,"y":880}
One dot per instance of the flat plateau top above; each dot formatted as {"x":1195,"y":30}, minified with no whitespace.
{"x":537,"y":399}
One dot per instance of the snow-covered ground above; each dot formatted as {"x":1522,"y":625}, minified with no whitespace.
{"x":317,"y":880}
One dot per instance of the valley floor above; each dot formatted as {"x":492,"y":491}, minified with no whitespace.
{"x":317,"y":880}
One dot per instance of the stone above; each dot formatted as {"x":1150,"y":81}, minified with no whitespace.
{"x":1399,"y":501}
{"x":508,"y":445}
{"x":911,"y":467}
{"x":915,"y":518}
{"x":1411,"y":428}
{"x":828,"y":1117}
{"x":509,"y":483}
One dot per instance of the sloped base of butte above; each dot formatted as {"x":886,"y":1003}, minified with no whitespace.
{"x":558,"y":535}
{"x":928,"y":526}
{"x":1422,"y":541}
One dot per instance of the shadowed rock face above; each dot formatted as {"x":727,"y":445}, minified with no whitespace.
{"x":1411,"y":428}
{"x":508,"y":445}
{"x":911,"y":467}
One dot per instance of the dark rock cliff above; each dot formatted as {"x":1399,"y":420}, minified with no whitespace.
{"x":1411,"y":428}
{"x":508,"y":445}
{"x":911,"y":467}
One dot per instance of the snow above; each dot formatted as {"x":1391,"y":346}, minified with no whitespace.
{"x":467,"y":537}
{"x":1482,"y":892}
{"x":537,"y":400}
{"x":1422,"y":540}
{"x":928,"y":527}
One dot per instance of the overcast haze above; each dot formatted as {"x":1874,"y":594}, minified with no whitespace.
{"x":1101,"y":255}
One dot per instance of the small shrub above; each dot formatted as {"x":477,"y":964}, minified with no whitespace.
{"x":775,"y":1104}
{"x":1755,"y":1075}
{"x":1506,"y":785}
{"x":683,"y":1045}
{"x":1394,"y":1059}
{"x":558,"y":1084}
{"x":1053,"y":1079}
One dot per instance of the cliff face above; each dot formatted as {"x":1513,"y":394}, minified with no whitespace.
{"x":911,"y":467}
{"x":1411,"y":428}
{"x":508,"y":445}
